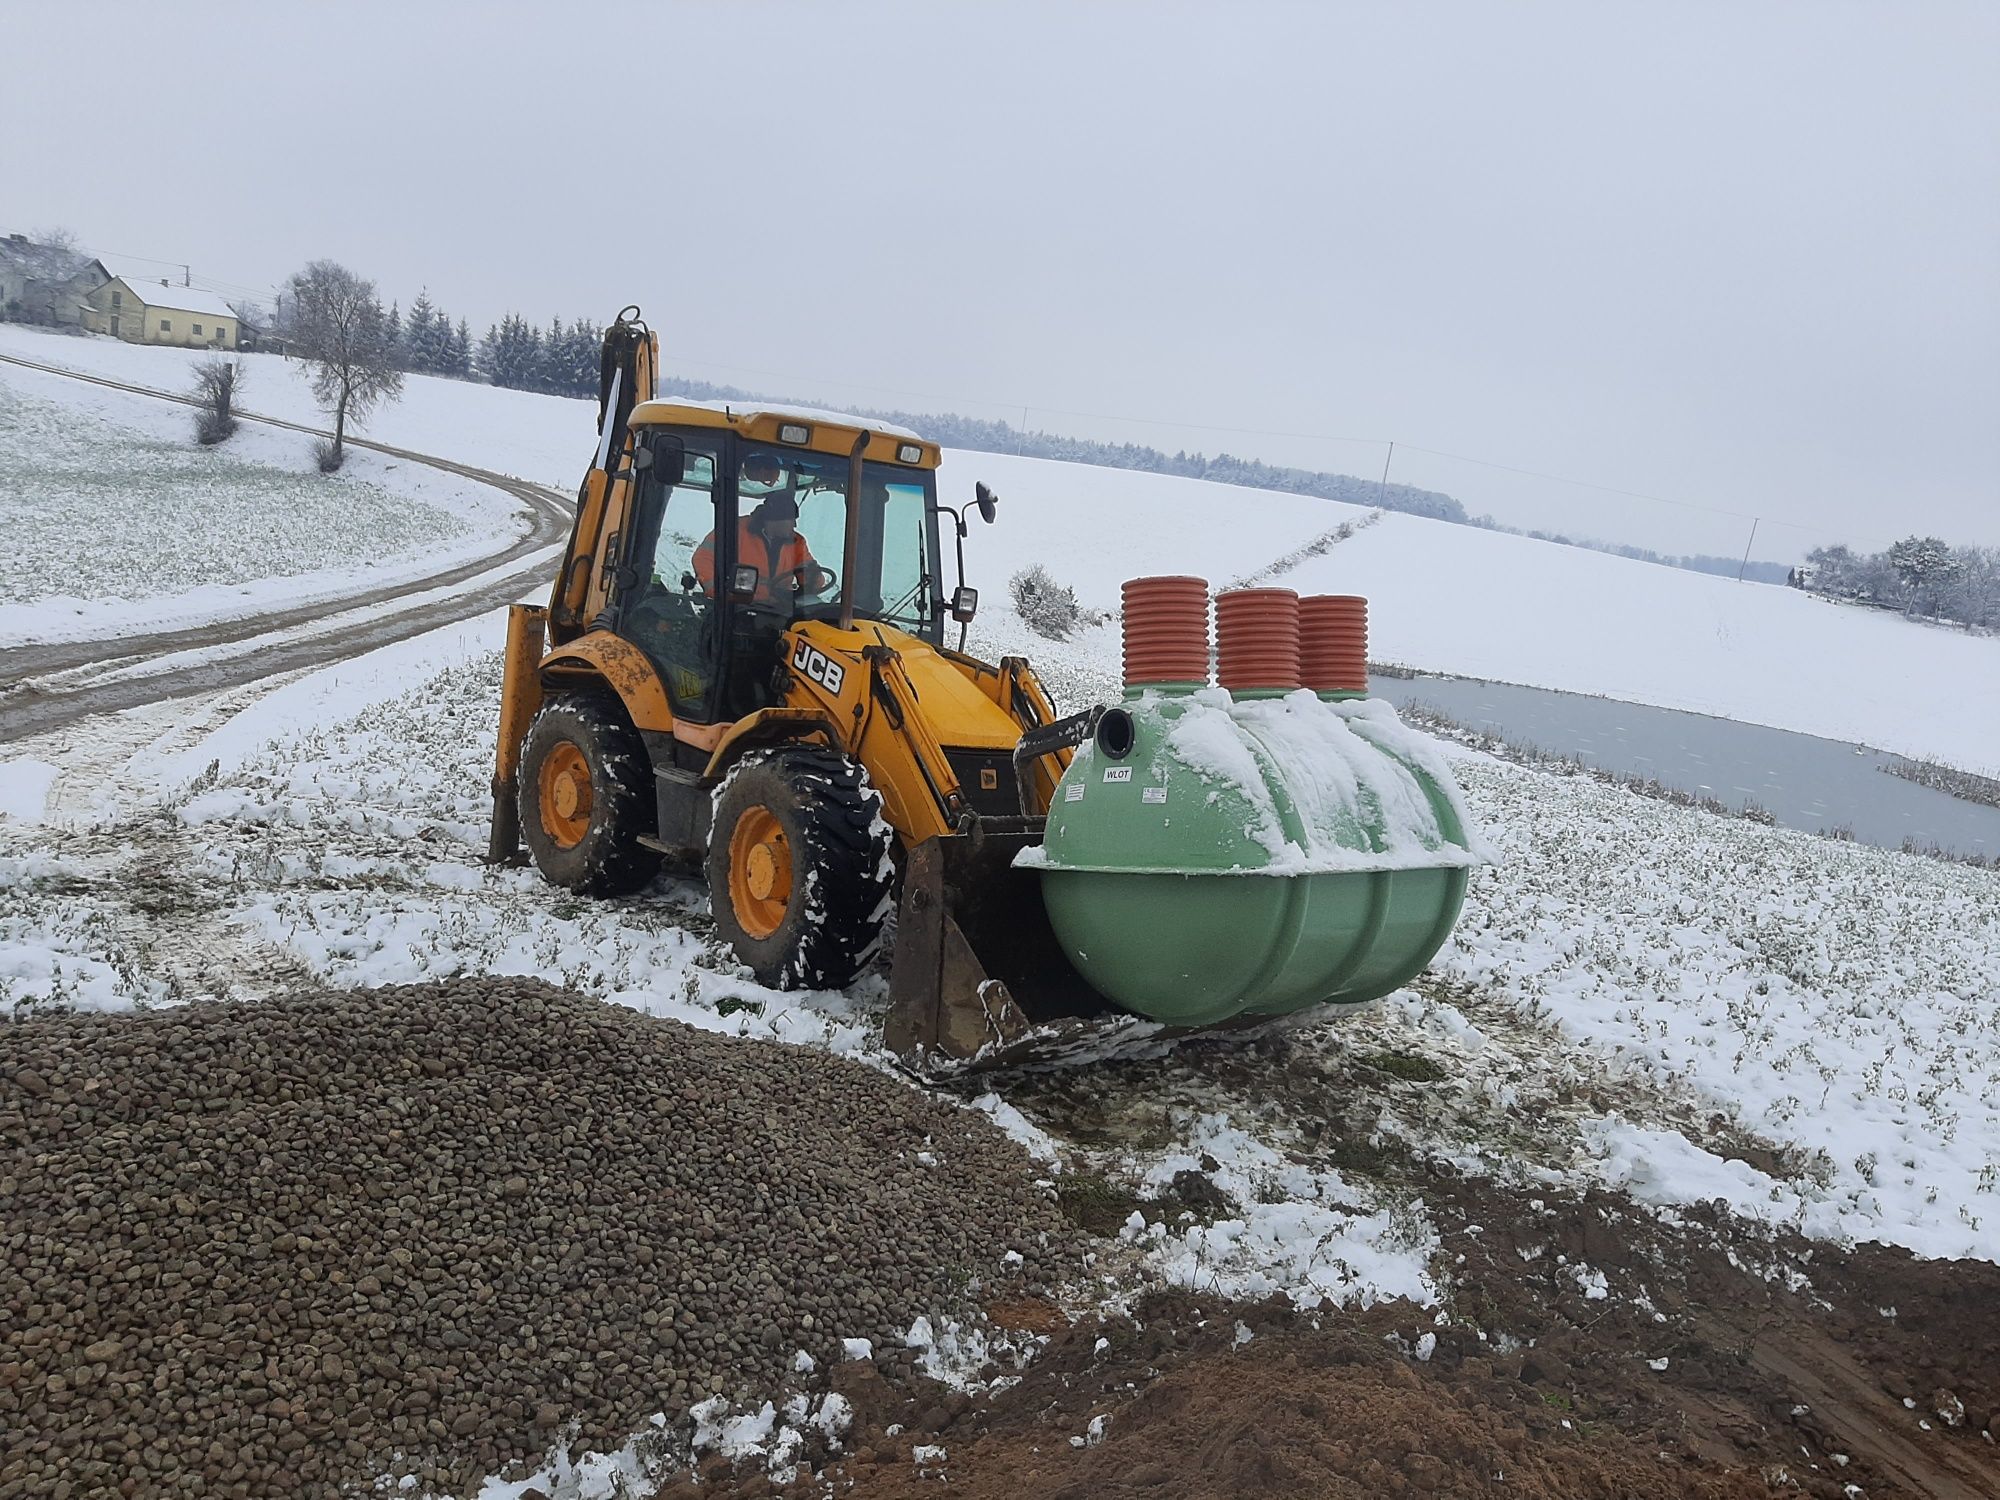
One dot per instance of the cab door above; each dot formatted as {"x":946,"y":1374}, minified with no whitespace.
{"x":664,"y":607}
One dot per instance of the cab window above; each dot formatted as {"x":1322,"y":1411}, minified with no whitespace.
{"x":671,"y":615}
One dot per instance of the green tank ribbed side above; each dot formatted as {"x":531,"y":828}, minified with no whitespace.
{"x":1253,"y":858}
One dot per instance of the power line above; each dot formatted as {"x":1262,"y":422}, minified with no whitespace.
{"x":215,"y":283}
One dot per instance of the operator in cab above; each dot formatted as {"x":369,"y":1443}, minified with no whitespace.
{"x":767,"y":539}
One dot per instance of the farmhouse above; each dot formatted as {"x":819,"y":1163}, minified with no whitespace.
{"x":46,"y":283}
{"x":141,"y":313}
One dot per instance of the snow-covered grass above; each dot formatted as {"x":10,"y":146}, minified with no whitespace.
{"x":1476,"y":603}
{"x":1835,"y":999}
{"x":1443,"y":598}
{"x":117,"y":520}
{"x":1649,"y":966}
{"x":1633,"y":986}
{"x":1301,"y":1231}
{"x":1828,"y":996}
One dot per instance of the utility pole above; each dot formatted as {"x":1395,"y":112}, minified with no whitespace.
{"x":184,"y":277}
{"x":1740,"y":567}
{"x":1382,"y":491}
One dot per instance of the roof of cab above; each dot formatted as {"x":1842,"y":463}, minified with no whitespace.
{"x":761,"y":421}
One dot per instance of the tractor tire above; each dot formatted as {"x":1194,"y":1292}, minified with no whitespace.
{"x":585,"y":794}
{"x":800,"y":875}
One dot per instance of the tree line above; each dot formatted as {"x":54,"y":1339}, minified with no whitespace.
{"x":975,"y":435}
{"x":1693,"y":562}
{"x":1923,"y":576}
{"x":560,"y":360}
{"x":1920,"y":575}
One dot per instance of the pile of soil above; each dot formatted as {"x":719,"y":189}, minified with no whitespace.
{"x":1714,"y":1360}
{"x":250,"y":1250}
{"x":1178,"y":1404}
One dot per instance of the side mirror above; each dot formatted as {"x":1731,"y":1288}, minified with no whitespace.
{"x":743,"y":582}
{"x":667,"y":455}
{"x":964,"y":604}
{"x":987,"y":500}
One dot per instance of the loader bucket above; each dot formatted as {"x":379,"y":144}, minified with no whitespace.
{"x":977,"y":977}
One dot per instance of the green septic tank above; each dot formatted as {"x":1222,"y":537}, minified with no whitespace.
{"x":1209,"y":857}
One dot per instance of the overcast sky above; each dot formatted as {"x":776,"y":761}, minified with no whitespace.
{"x":1742,"y":256}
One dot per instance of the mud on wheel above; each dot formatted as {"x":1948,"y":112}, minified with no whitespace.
{"x":799,"y":875}
{"x":586,"y":796}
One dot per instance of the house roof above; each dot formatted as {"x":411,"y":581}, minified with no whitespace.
{"x":186,"y":299}
{"x":44,"y":262}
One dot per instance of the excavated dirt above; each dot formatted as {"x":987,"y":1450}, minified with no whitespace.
{"x":1706,"y":1369}
{"x":251,"y":1250}
{"x":1178,"y":1406}
{"x":274,"y":1249}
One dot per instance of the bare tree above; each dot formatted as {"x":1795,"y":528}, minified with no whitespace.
{"x":342,"y":333}
{"x":217,"y":382}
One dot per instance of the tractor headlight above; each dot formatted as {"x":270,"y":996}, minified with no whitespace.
{"x":795,"y":433}
{"x":909,"y":453}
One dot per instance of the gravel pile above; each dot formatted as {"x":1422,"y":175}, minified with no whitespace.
{"x":247,"y":1250}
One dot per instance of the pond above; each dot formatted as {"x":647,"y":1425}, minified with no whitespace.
{"x":1802,"y":781}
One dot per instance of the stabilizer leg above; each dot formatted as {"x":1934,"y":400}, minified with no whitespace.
{"x":520,"y":697}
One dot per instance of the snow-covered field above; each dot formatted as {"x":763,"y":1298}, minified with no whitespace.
{"x":1832,"y":999}
{"x":1444,"y":598}
{"x":1634,"y":992}
{"x":1705,"y":980}
{"x":116,"y":520}
{"x":1828,"y":997}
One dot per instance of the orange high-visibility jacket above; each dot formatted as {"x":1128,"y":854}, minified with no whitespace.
{"x":773,"y":561}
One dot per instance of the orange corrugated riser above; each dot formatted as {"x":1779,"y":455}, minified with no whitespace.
{"x":1166,"y":630}
{"x":1333,"y":643}
{"x":1257,"y":639}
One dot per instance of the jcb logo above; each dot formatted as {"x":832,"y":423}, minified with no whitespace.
{"x":828,"y":674}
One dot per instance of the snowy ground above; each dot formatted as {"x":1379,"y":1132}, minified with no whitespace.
{"x":119,"y":521}
{"x":1832,"y":999}
{"x":1638,"y":995}
{"x":1444,"y":598}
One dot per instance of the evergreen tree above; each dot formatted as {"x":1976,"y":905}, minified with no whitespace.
{"x":440,"y":343}
{"x":484,"y":357}
{"x":1927,"y":566}
{"x":511,"y":354}
{"x":461,"y":351}
{"x":553,"y":377}
{"x":585,"y":346}
{"x":392,"y":337}
{"x":420,"y":336}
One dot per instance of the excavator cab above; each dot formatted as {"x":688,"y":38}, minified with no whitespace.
{"x":735,"y":540}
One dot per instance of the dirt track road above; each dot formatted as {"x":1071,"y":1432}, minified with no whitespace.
{"x":46,"y":687}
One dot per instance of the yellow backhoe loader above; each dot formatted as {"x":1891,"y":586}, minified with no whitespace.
{"x":743,"y":659}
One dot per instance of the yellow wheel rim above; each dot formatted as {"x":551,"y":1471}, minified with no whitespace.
{"x":564,"y":795}
{"x":760,"y":872}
